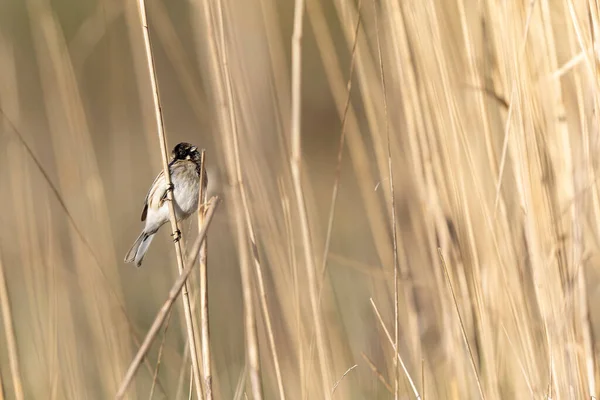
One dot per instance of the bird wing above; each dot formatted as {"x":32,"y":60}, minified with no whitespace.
{"x":156,"y":195}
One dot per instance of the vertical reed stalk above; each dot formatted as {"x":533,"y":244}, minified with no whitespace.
{"x":246,"y":207}
{"x":225,"y":119}
{"x":9,"y":332}
{"x":175,"y":229}
{"x":392,"y":202}
{"x":204,"y":325}
{"x":296,"y":165}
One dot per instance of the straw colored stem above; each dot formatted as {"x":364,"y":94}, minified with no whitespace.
{"x":392,"y":202}
{"x":296,"y":161}
{"x":54,"y":189}
{"x":159,"y":357}
{"x":9,"y":332}
{"x":225,"y":118}
{"x":204,"y":325}
{"x":165,"y":160}
{"x":381,"y":378}
{"x":462,"y":326}
{"x":341,"y":378}
{"x":246,"y":207}
{"x":423,"y":377}
{"x":285,"y":202}
{"x":173,"y":293}
{"x":387,"y":334}
{"x":338,"y":168}
{"x":182,"y":370}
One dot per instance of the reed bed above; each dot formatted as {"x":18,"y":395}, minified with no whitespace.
{"x":409,"y":197}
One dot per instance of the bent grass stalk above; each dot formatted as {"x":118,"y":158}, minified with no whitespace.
{"x":173,"y":293}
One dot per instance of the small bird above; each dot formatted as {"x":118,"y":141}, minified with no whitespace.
{"x":184,"y":167}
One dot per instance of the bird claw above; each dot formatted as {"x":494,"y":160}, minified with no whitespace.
{"x":176,"y":236}
{"x":171,"y":188}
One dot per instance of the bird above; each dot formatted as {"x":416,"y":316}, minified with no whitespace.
{"x":184,"y":167}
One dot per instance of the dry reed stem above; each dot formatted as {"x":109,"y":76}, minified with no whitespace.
{"x":51,"y":185}
{"x":582,"y":321}
{"x":501,"y":289}
{"x":182,"y":369}
{"x":387,"y":334}
{"x":366,"y":74}
{"x":249,"y":314}
{"x":159,"y":357}
{"x":477,"y":75}
{"x":191,"y":388}
{"x":9,"y":332}
{"x":376,"y":372}
{"x":527,"y":380}
{"x":167,"y":34}
{"x":338,"y":170}
{"x":10,"y":90}
{"x":173,"y":293}
{"x":70,"y":138}
{"x":296,"y":161}
{"x":144,"y":91}
{"x":402,"y":54}
{"x":245,"y":203}
{"x":340,"y":153}
{"x":193,"y":296}
{"x":586,"y":332}
{"x":287,"y":216}
{"x":462,"y":327}
{"x":73,"y":224}
{"x":341,"y":378}
{"x":241,"y":383}
{"x":167,"y":173}
{"x":77,"y":230}
{"x":226,"y":114}
{"x":392,"y":201}
{"x":204,"y":321}
{"x":510,"y":108}
{"x":423,"y":378}
{"x":356,"y":143}
{"x":376,"y":212}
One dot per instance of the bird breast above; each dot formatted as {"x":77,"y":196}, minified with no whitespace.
{"x":185,"y":178}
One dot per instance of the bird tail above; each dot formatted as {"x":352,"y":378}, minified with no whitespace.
{"x":138,"y":249}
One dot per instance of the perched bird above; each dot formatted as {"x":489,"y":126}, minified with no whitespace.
{"x":184,"y":167}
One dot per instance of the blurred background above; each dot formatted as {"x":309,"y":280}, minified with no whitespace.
{"x":489,"y":109}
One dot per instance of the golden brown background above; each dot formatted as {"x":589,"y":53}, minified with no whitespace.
{"x":493,"y":121}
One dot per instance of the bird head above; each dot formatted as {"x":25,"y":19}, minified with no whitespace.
{"x":186,"y":151}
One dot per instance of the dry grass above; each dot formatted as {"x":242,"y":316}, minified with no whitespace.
{"x":191,"y":327}
{"x":203,"y":260}
{"x":493,"y":136}
{"x":165,"y":310}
